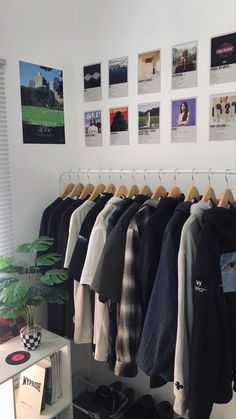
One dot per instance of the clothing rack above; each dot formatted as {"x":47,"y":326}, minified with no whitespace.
{"x":162,"y":171}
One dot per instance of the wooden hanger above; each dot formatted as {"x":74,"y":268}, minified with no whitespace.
{"x":88,"y":189}
{"x":145,"y":190}
{"x":76,"y":191}
{"x":159,"y":192}
{"x":110,"y":188}
{"x":175,"y":192}
{"x":100,"y":188}
{"x":121,"y":191}
{"x":209,"y":195}
{"x":192,"y":193}
{"x":133,"y":190}
{"x":67,"y":190}
{"x":226,"y":198}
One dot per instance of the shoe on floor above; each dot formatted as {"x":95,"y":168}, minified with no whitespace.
{"x":164,"y":410}
{"x":119,"y":402}
{"x":143,"y":408}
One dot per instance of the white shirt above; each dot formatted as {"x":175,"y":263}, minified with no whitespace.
{"x":76,"y":221}
{"x":82,"y":305}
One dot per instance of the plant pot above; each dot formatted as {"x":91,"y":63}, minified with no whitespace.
{"x":31,"y":337}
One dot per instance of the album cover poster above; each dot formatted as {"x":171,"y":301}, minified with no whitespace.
{"x":119,"y":134}
{"x":149,"y":72}
{"x":223,"y":117}
{"x":42,"y":104}
{"x":149,"y":123}
{"x":184,"y":127}
{"x":223,"y":59}
{"x":93,"y":128}
{"x":92,"y":82}
{"x":184,"y":65}
{"x":118,"y":77}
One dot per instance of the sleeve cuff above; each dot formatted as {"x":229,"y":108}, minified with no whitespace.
{"x":126,"y":369}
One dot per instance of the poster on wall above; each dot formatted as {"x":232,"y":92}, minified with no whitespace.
{"x":223,"y":117}
{"x":184,"y":65}
{"x":42,"y":104}
{"x":93,"y":128}
{"x":92,"y":82}
{"x":184,"y":127}
{"x":118,"y":77}
{"x":149,"y":123}
{"x":119,"y":126}
{"x":223,"y":59}
{"x":149,"y":72}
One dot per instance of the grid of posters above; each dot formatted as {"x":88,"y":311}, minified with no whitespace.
{"x":149,"y":123}
{"x":92,"y":83}
{"x":42,"y":104}
{"x":118,"y":77}
{"x":149,"y":72}
{"x":93,"y":128}
{"x":119,"y":134}
{"x":223,"y":117}
{"x":184,"y":128}
{"x":223,"y":59}
{"x":184,"y":65}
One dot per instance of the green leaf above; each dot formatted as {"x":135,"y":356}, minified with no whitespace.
{"x":54,"y":276}
{"x":4,"y":282}
{"x":5,"y":262}
{"x":48,"y":260}
{"x":14,"y":293}
{"x":41,"y":244}
{"x":23,"y":248}
{"x":57,"y":295}
{"x":10,"y":312}
{"x":38,"y":290}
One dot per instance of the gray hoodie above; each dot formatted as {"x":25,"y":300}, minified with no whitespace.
{"x":186,"y":258}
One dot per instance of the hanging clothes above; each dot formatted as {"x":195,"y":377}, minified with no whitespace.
{"x":213,"y":337}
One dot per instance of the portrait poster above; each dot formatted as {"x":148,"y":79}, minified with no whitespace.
{"x":118,"y":77}
{"x":119,"y":133}
{"x":223,"y":117}
{"x":184,"y":65}
{"x":93,"y":128}
{"x":42,"y":104}
{"x":184,"y":126}
{"x":149,"y":72}
{"x":149,"y":123}
{"x":92,"y":82}
{"x":223,"y":59}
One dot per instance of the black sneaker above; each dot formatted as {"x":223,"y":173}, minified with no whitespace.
{"x":164,"y":410}
{"x":142,"y":408}
{"x":117,"y":404}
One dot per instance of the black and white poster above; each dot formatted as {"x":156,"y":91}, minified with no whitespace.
{"x":223,"y":117}
{"x":92,"y":83}
{"x":149,"y":123}
{"x":223,"y":59}
{"x":118,"y":77}
{"x":93,"y":128}
{"x":184,"y":65}
{"x":149,"y":72}
{"x":119,"y":128}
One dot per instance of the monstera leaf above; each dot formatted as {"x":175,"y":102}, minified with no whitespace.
{"x":48,"y":260}
{"x":6,"y":264}
{"x":41,"y":244}
{"x":5,"y":282}
{"x":54,"y":276}
{"x":57,"y":295}
{"x":14,"y":293}
{"x":10,"y":312}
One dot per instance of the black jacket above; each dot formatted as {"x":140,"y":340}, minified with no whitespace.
{"x":213,"y":354}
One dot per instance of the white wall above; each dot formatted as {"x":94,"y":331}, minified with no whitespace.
{"x":70,"y":34}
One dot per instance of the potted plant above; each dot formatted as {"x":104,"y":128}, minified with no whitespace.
{"x":23,"y":288}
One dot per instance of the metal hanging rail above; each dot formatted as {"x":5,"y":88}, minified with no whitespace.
{"x":160,"y":171}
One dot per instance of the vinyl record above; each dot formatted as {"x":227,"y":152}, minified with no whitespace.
{"x":16,"y":358}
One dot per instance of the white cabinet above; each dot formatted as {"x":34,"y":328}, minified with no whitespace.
{"x":8,"y":396}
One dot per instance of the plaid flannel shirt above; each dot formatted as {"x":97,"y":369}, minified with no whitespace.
{"x":130,"y":316}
